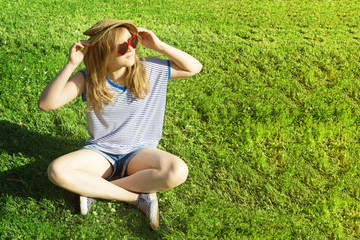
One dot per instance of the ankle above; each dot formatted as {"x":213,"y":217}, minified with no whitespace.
{"x":135,"y":200}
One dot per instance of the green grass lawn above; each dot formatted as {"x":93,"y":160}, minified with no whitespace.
{"x":269,"y":128}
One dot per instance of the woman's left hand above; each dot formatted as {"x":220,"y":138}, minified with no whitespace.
{"x":149,"y":39}
{"x":182,"y":64}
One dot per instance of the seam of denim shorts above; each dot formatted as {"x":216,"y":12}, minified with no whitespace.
{"x":121,"y":160}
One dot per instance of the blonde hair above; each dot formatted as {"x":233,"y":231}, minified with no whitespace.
{"x":96,"y":62}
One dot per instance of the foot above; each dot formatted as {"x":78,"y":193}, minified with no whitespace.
{"x":148,"y":203}
{"x":85,"y":204}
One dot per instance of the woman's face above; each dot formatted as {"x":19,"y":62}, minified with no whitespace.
{"x":128,"y":59}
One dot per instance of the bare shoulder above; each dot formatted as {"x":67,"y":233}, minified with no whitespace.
{"x":79,"y":80}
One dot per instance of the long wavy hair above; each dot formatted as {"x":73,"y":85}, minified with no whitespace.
{"x":96,"y":62}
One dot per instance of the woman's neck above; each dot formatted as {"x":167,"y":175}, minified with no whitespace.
{"x":118,"y":76}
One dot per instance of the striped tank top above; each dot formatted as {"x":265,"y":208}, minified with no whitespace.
{"x":130,"y":123}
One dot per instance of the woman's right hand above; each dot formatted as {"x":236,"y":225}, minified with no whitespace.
{"x":78,"y":51}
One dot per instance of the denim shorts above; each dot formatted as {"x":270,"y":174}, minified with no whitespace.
{"x":119,"y":162}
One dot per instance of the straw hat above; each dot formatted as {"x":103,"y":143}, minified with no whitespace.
{"x":100,"y":28}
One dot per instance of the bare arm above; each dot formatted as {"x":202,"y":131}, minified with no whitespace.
{"x":63,"y":89}
{"x":182,"y":64}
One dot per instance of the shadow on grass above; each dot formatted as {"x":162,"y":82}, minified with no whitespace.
{"x":29,"y":180}
{"x":37,"y":150}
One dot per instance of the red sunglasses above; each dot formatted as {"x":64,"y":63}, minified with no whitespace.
{"x":122,"y":48}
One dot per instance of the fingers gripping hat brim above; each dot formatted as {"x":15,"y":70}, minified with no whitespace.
{"x":97,"y":31}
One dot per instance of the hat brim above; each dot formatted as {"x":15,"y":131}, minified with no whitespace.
{"x":99,"y":33}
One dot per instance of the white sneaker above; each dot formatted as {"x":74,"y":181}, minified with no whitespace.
{"x":85,"y":204}
{"x":148,"y":203}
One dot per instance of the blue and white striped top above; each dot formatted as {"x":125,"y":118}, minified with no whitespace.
{"x":130,"y":123}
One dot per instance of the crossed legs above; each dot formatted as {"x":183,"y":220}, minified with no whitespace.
{"x":84,"y":172}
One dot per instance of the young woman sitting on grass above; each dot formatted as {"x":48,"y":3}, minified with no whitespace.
{"x":125,"y":109}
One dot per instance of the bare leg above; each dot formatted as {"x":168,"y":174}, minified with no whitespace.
{"x":153,"y":170}
{"x":83,"y":172}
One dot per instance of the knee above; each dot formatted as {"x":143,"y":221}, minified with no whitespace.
{"x":176,"y":173}
{"x":57,"y":172}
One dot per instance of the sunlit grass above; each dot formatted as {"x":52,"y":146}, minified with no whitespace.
{"x":269,"y":128}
